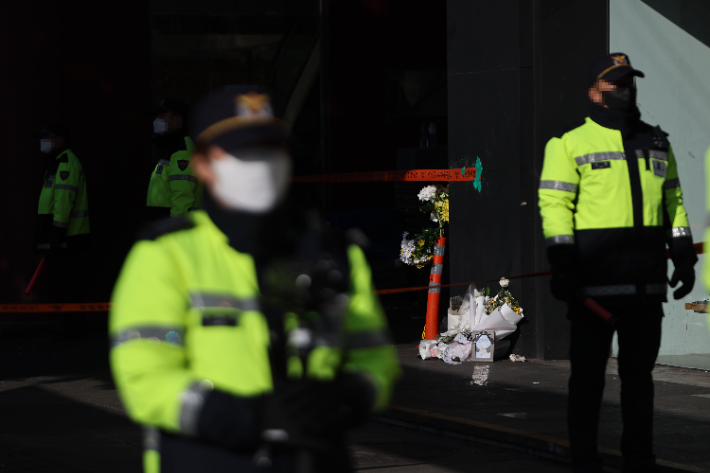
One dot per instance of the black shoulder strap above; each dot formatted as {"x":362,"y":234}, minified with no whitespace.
{"x":164,"y":226}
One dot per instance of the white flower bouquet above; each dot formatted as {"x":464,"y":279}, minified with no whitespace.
{"x":419,"y":250}
{"x":415,"y":252}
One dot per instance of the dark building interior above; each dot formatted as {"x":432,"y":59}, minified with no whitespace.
{"x":358,"y":80}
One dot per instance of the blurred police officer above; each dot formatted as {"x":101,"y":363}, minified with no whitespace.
{"x":173,"y":189}
{"x":63,"y":211}
{"x":610,"y":201}
{"x":247,"y":337}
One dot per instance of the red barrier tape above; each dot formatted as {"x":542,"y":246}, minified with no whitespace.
{"x":98,"y":307}
{"x":106,"y":306}
{"x":446,"y":175}
{"x":383,"y":292}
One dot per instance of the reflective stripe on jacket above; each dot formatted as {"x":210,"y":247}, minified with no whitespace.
{"x":618,"y":199}
{"x":63,"y":198}
{"x":173,"y":183}
{"x":187,"y":318}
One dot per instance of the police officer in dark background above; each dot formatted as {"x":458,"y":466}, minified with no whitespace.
{"x":173,"y":189}
{"x":63,"y":211}
{"x":62,"y":234}
{"x":610,"y":201}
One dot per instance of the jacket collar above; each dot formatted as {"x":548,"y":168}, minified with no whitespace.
{"x":240,"y":228}
{"x":625,"y":122}
{"x":170,"y":141}
{"x":51,"y":158}
{"x":56,"y":153}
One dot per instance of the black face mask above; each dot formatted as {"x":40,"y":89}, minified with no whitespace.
{"x":622,"y":99}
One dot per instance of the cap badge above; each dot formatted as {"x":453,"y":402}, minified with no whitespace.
{"x":253,"y":105}
{"x":620,"y":59}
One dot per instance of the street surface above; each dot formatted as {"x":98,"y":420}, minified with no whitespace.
{"x":532,"y":397}
{"x":60,"y":413}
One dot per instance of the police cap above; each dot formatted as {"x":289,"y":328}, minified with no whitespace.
{"x":238,"y":117}
{"x":171,"y":105}
{"x":58,"y":128}
{"x":612,"y":67}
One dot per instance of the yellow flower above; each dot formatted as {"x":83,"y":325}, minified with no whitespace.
{"x":420,"y":243}
{"x":444,"y":212}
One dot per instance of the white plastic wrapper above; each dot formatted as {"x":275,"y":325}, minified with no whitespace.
{"x":479,"y":310}
{"x":510,"y":315}
{"x":425,"y":349}
{"x":459,"y":351}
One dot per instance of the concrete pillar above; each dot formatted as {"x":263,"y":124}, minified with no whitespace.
{"x":516,"y":73}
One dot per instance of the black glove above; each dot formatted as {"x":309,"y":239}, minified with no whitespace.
{"x":686,"y":275}
{"x":564,"y":282}
{"x":684,"y":259}
{"x":57,"y":240}
{"x":230,"y":421}
{"x":310,"y":414}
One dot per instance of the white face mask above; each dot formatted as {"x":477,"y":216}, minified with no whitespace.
{"x":256,"y":183}
{"x":45,"y":145}
{"x":160,"y":126}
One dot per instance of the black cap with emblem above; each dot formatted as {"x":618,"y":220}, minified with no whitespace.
{"x":58,"y":128}
{"x":171,"y":104}
{"x":238,"y":117}
{"x":612,"y":67}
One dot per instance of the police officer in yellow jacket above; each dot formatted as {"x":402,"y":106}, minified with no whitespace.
{"x":63,"y":211}
{"x":173,"y":189}
{"x":247,"y":336}
{"x":610,"y":201}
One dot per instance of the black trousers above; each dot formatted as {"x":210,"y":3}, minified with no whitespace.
{"x":639,"y":336}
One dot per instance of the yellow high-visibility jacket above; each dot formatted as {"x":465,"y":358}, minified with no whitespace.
{"x":187,"y":320}
{"x":63,"y":210}
{"x":173,"y":185}
{"x":612,"y":191}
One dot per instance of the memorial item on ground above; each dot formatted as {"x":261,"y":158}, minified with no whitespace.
{"x":476,"y":323}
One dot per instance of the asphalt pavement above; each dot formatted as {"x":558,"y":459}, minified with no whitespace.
{"x":523,"y":405}
{"x":60,"y":412}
